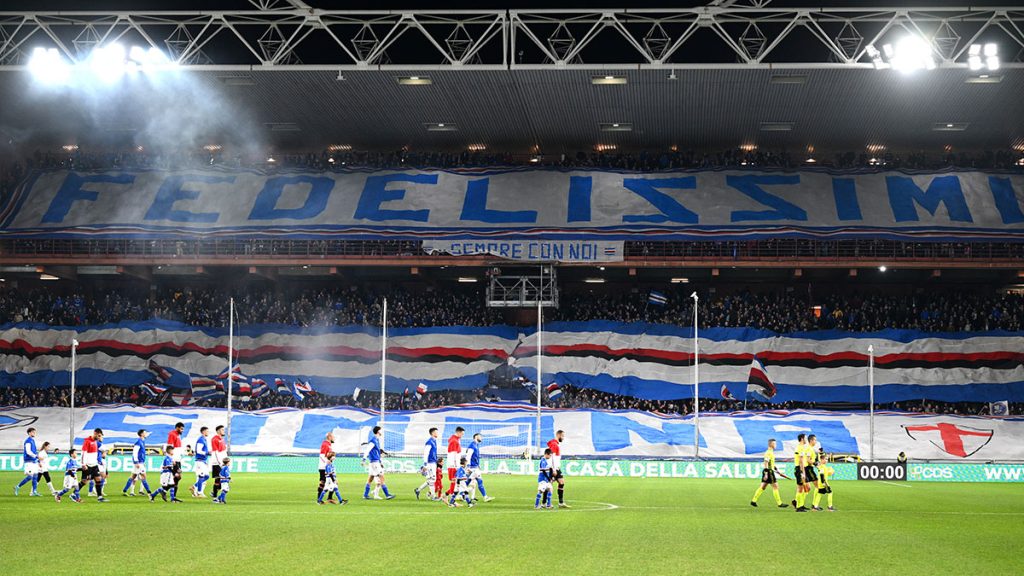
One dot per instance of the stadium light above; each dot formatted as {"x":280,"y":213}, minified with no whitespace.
{"x":47,"y":66}
{"x":983,"y":57}
{"x":910,"y":54}
{"x":882,"y":268}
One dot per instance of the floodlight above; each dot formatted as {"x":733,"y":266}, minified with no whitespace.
{"x":48,"y":67}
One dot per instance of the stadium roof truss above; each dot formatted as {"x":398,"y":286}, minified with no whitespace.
{"x":289,"y":35}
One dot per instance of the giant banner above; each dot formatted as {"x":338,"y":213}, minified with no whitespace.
{"x":552,"y":204}
{"x":651,"y":361}
{"x":510,"y":429}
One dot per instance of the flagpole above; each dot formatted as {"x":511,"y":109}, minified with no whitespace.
{"x":871,"y":401}
{"x":696,"y":381}
{"x":71,"y":428}
{"x":383,"y":359}
{"x":540,"y":350}
{"x":230,"y":381}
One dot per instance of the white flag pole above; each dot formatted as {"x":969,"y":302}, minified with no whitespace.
{"x":696,"y":381}
{"x":230,"y":382}
{"x":871,"y":401}
{"x":540,"y":351}
{"x":71,"y":429}
{"x":383,"y":359}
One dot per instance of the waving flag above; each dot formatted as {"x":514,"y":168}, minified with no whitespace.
{"x":657,"y":298}
{"x":204,"y":388}
{"x":258,"y":388}
{"x":403,"y":399}
{"x":184,"y":399}
{"x":302,"y":389}
{"x":554,"y":390}
{"x":758,"y":382}
{"x":152,"y":388}
{"x":282,"y":386}
{"x":421,"y":390}
{"x":726,"y":394}
{"x":355,"y":394}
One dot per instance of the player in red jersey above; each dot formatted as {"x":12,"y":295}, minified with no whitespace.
{"x":326,"y":447}
{"x":454,"y":455}
{"x":555,"y":445}
{"x":219,"y":451}
{"x":174,"y":439}
{"x":90,"y":463}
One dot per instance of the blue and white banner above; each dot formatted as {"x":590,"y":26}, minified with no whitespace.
{"x":532,"y":250}
{"x":650,"y":361}
{"x":519,"y":203}
{"x":510,"y":429}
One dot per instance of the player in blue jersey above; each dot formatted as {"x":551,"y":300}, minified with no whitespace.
{"x":544,"y":476}
{"x":166,"y":478}
{"x":138,"y":466}
{"x":30,"y":457}
{"x":473,"y":455}
{"x":225,"y":481}
{"x":461,"y":486}
{"x":202,"y":463}
{"x":330,"y":481}
{"x":70,"y":482}
{"x":373,"y":454}
{"x":429,"y":463}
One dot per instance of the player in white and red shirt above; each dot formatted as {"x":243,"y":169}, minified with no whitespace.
{"x":454,"y":457}
{"x":174,"y":439}
{"x":91,"y":463}
{"x":555,"y":445}
{"x":218,"y":453}
{"x":326,"y":447}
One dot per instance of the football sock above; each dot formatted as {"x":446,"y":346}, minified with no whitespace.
{"x":778,"y":497}
{"x":385,"y":488}
{"x":829,"y":499}
{"x":561,"y":494}
{"x":757,"y":494}
{"x":99,"y":488}
{"x":35,"y":482}
{"x":366,"y":492}
{"x":128,"y":484}
{"x":338,"y":494}
{"x":817,"y":499}
{"x":24,"y":481}
{"x":480,"y":483}
{"x":174,"y":492}
{"x":536,"y":501}
{"x":145,"y":486}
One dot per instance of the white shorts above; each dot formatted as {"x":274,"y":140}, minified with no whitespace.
{"x":376,"y":469}
{"x":139,"y":469}
{"x":330,"y":485}
{"x":166,"y":479}
{"x":475,"y":473}
{"x":31,"y":468}
{"x":225,"y":486}
{"x":103,"y":469}
{"x":70,"y":483}
{"x":201,"y":469}
{"x":543,"y":486}
{"x":461,"y":487}
{"x":429,"y":471}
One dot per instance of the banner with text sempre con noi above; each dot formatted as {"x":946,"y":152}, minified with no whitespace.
{"x":509,"y":430}
{"x":523,"y":202}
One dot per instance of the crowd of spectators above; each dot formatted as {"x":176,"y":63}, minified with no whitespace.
{"x":673,"y":159}
{"x":572,"y":397}
{"x":204,"y":307}
{"x":778,"y":311}
{"x":795,"y":311}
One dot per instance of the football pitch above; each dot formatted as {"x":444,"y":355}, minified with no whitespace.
{"x":271,"y":525}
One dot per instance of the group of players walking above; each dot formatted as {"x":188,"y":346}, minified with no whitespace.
{"x":810,"y":470}
{"x":89,"y":462}
{"x":463,"y":466}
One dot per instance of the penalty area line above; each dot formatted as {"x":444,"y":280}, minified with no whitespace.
{"x":895,"y":484}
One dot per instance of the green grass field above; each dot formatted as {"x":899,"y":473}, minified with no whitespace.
{"x":639,"y":526}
